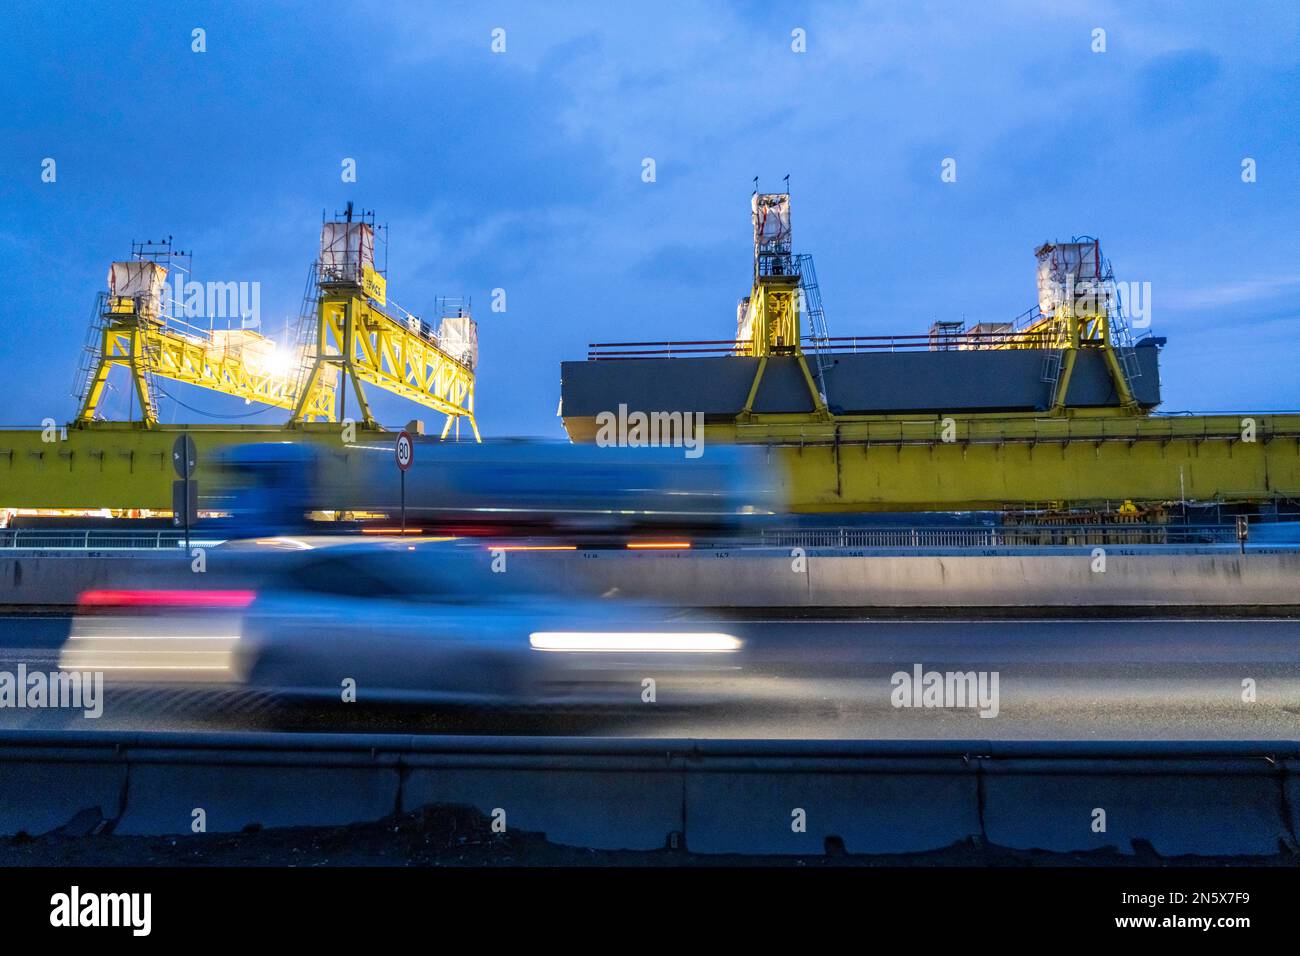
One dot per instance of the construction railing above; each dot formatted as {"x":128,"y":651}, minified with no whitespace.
{"x":925,"y":342}
{"x":1000,"y":537}
{"x":904,"y":536}
{"x":73,"y":539}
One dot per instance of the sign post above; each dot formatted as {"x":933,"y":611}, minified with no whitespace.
{"x":405,"y":453}
{"x":185,"y":498}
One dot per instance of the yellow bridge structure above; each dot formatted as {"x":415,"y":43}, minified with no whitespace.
{"x":1050,"y":413}
{"x":349,"y":336}
{"x":345,"y":336}
{"x":778,"y":385}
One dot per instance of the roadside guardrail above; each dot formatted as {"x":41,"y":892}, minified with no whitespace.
{"x":97,"y":539}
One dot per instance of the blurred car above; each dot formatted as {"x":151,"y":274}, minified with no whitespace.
{"x":402,"y":623}
{"x":391,"y":621}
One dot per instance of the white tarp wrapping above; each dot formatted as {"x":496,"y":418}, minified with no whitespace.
{"x":346,"y":250}
{"x":254,"y":348}
{"x":988,"y":335}
{"x":1071,"y":272}
{"x":138,"y":279}
{"x":264,"y":356}
{"x":771,"y":215}
{"x":458,"y":337}
{"x":991,"y":328}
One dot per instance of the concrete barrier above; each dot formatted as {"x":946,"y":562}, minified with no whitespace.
{"x":882,"y":806}
{"x":767,"y":579}
{"x":636,"y":807}
{"x":41,"y":792}
{"x":164,"y":792}
{"x":713,"y":797}
{"x":54,"y":579}
{"x":750,"y":578}
{"x":1177,"y":807}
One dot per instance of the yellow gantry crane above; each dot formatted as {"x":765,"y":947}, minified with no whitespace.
{"x":923,"y":434}
{"x":1078,"y":308}
{"x":134,"y":330}
{"x":768,"y":320}
{"x":348,"y":331}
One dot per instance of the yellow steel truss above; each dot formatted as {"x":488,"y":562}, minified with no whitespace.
{"x":774,"y":311}
{"x":368,"y":345}
{"x":1067,"y":332}
{"x":352,"y":337}
{"x":145,"y":347}
{"x":774,"y":326}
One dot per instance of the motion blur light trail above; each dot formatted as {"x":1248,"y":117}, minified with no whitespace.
{"x":639,"y":642}
{"x":1059,"y":679}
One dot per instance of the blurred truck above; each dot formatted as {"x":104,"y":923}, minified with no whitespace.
{"x":510,"y":486}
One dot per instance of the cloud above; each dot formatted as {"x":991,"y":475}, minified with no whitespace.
{"x":1246,"y":292}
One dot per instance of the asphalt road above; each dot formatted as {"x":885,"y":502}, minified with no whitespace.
{"x":1056,"y":679}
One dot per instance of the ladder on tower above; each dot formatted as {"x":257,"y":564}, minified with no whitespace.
{"x":1051,"y":373}
{"x":1122,"y":335}
{"x":304,"y":333}
{"x":152,"y":355}
{"x":90,"y":352}
{"x":1048,"y":330}
{"x":810,"y":292}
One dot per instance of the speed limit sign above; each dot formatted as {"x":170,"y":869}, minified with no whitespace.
{"x":405,"y":451}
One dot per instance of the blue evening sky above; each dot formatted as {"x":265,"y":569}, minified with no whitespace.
{"x":522,"y":170}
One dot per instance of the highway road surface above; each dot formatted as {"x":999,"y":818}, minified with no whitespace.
{"x":843,"y":679}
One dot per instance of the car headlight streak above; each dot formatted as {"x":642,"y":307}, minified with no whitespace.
{"x":638,"y":642}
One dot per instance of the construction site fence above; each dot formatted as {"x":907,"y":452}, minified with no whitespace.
{"x":933,"y":341}
{"x":839,"y":538}
{"x":999,"y":537}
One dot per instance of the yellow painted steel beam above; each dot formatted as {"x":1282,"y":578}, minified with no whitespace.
{"x":820,"y":411}
{"x":881,"y":464}
{"x":122,"y":466}
{"x":1087,"y":425}
{"x":774,"y":324}
{"x":1122,"y":386}
{"x":942,"y":477}
{"x":994,"y":463}
{"x":146,"y":347}
{"x":1062,"y":387}
{"x":747,"y":412}
{"x":352,"y":336}
{"x":1067,"y":332}
{"x":370,"y":346}
{"x":904,"y":463}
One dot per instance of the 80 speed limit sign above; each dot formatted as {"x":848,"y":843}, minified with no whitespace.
{"x":405,"y":451}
